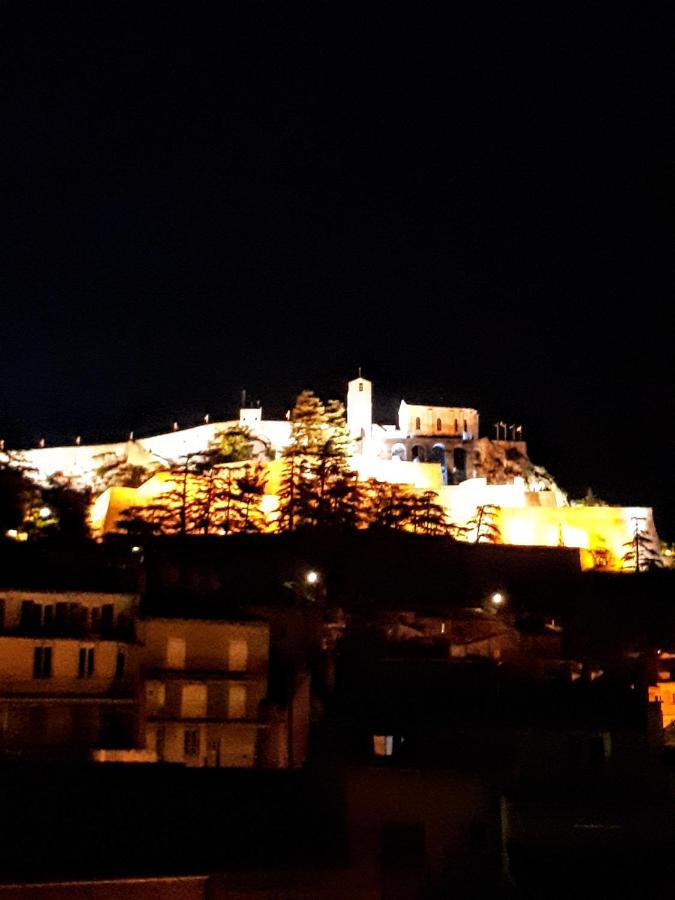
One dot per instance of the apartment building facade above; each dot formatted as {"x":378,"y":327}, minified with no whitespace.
{"x":205,"y":682}
{"x":68,"y":672}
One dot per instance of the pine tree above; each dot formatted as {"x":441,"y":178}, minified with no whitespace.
{"x":459,"y":532}
{"x":251,"y":485}
{"x":18,"y":492}
{"x":120,"y":473}
{"x":336,"y":483}
{"x":641,"y":554}
{"x":233,"y":445}
{"x":308,"y":424}
{"x":301,"y":486}
{"x":69,"y":506}
{"x":388,"y":505}
{"x":185,"y":505}
{"x":146,"y":521}
{"x":484,"y":525}
{"x":427,"y":514}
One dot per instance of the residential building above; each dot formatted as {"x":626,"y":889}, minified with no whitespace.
{"x":205,"y":682}
{"x":68,"y":672}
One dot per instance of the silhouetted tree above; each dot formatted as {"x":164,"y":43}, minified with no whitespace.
{"x":337,"y":484}
{"x":642,"y":553}
{"x":427,"y":514}
{"x":302,"y":478}
{"x":484,"y":526}
{"x":218,"y":499}
{"x":68,"y":507}
{"x":18,"y":492}
{"x":120,"y":473}
{"x":233,"y":445}
{"x":388,"y":505}
{"x":251,"y":486}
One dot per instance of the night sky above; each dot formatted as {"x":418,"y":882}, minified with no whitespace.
{"x":471,"y":210}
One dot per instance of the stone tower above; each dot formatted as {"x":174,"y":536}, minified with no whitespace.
{"x":360,"y":410}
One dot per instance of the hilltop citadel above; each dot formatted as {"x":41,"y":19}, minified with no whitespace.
{"x":430,"y":448}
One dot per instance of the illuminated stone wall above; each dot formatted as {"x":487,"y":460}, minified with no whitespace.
{"x":524,"y":517}
{"x":425,"y":420}
{"x":603,"y":531}
{"x":83,"y":462}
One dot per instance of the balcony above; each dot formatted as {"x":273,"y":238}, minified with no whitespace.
{"x":70,"y":620}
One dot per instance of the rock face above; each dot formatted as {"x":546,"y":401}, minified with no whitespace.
{"x":502,"y":461}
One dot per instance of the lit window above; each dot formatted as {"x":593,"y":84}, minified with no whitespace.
{"x":236,"y":702}
{"x":383,"y":744}
{"x":238,"y":651}
{"x":155,"y":696}
{"x":193,"y":701}
{"x":175,"y":653}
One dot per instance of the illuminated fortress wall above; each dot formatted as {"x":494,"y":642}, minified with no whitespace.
{"x":602,"y":531}
{"x":524,"y":518}
{"x":429,"y":449}
{"x":82,"y":462}
{"x":429,"y":420}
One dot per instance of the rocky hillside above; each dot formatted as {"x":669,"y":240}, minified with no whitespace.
{"x":502,"y":461}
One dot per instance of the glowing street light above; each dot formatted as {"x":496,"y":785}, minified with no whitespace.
{"x":312,"y":577}
{"x":45,"y":512}
{"x":497,"y":598}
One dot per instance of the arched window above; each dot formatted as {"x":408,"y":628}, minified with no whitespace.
{"x":437,"y":455}
{"x":465,"y":426}
{"x":360,"y":385}
{"x":439,"y":425}
{"x":456,"y":431}
{"x":418,"y":424}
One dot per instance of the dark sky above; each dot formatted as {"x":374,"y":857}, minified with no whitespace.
{"x":471,"y":210}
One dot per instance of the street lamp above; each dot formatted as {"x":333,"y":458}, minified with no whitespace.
{"x":312,"y":577}
{"x":495,"y":602}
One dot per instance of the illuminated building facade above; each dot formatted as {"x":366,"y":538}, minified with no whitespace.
{"x":205,"y":683}
{"x":429,"y":448}
{"x":68,"y":673}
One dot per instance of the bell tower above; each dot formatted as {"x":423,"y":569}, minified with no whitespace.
{"x":360,"y":410}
